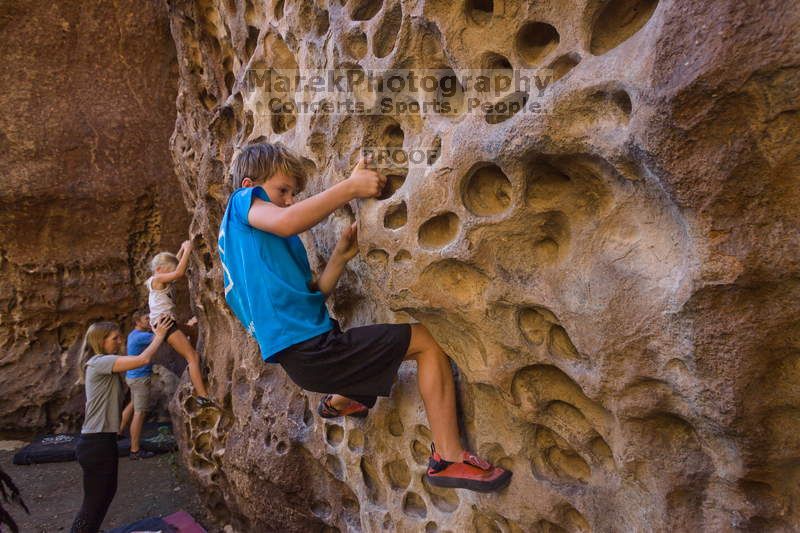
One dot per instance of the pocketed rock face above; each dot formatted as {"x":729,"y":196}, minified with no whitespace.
{"x":88,"y":189}
{"x":615,"y":278}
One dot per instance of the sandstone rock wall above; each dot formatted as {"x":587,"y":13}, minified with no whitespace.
{"x":616,"y":279}
{"x":88,"y":189}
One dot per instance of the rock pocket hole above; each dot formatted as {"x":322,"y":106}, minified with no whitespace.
{"x":308,"y":416}
{"x":207,"y":99}
{"x":495,"y":61}
{"x":355,"y":44}
{"x":618,"y":21}
{"x":535,"y":41}
{"x":355,"y":440}
{"x":623,"y":101}
{"x":371,"y":481}
{"x":564,"y":64}
{"x":251,"y":43}
{"x":396,"y":216}
{"x":534,"y":325}
{"x":202,"y":465}
{"x":203,"y":444}
{"x":230,"y":81}
{"x":320,"y":508}
{"x":420,"y":452}
{"x":334,"y":465}
{"x":279,"y":9}
{"x":556,"y":459}
{"x":207,"y":419}
{"x":423,"y":432}
{"x":393,"y":136}
{"x":487,"y":190}
{"x":383,"y":41}
{"x":449,"y":96}
{"x":414,"y":505}
{"x":322,"y":22}
{"x":397,"y":473}
{"x":334,"y":434}
{"x":351,"y":506}
{"x":283,"y":120}
{"x":496,"y":66}
{"x":445,"y":500}
{"x":439,"y":231}
{"x":365,"y":9}
{"x":560,"y":346}
{"x":393,"y":184}
{"x":402,"y":255}
{"x":394,"y":423}
{"x":378,"y":257}
{"x":480,"y":11}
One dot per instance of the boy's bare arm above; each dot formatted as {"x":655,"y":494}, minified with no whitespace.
{"x":330,"y":276}
{"x":345,"y":250}
{"x":297,"y":218}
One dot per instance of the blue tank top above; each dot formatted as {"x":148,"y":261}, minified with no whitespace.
{"x":266,"y":280}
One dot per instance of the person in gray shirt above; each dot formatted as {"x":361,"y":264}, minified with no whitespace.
{"x":100,"y":370}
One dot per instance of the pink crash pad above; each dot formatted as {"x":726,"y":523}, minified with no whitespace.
{"x":184,"y":523}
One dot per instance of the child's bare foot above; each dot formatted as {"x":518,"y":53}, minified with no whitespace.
{"x":328,"y":409}
{"x":471,"y":473}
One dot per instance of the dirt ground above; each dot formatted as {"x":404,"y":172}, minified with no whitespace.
{"x":53,"y":492}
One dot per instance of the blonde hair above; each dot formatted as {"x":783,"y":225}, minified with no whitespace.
{"x":93,"y":345}
{"x":163,"y":258}
{"x":261,"y":161}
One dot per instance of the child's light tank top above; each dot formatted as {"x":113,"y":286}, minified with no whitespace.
{"x":160,"y":301}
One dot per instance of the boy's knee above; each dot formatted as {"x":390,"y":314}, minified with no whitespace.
{"x":421,"y":341}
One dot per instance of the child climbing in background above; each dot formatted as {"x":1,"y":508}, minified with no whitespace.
{"x":270,"y":288}
{"x":138,"y":381}
{"x":167,"y":268}
{"x":100,"y":369}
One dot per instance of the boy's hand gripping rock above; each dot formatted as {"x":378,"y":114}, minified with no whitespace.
{"x":366,"y":182}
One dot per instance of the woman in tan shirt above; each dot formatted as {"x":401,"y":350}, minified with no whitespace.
{"x":100,"y":371}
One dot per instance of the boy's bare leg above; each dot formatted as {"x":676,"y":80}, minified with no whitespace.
{"x":181,"y":344}
{"x":136,"y":430}
{"x":435,"y":381}
{"x":127,"y":413}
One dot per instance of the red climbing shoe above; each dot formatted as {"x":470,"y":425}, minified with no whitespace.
{"x":471,"y":473}
{"x":354,"y":408}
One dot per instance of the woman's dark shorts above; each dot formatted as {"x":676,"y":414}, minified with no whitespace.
{"x":360,"y":363}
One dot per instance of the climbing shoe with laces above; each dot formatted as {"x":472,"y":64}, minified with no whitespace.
{"x":353,"y":408}
{"x":471,"y":473}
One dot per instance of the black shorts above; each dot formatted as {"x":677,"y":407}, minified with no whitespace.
{"x":360,"y":363}
{"x":172,"y":329}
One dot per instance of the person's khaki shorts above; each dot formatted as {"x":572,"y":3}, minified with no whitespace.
{"x":140,"y":393}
